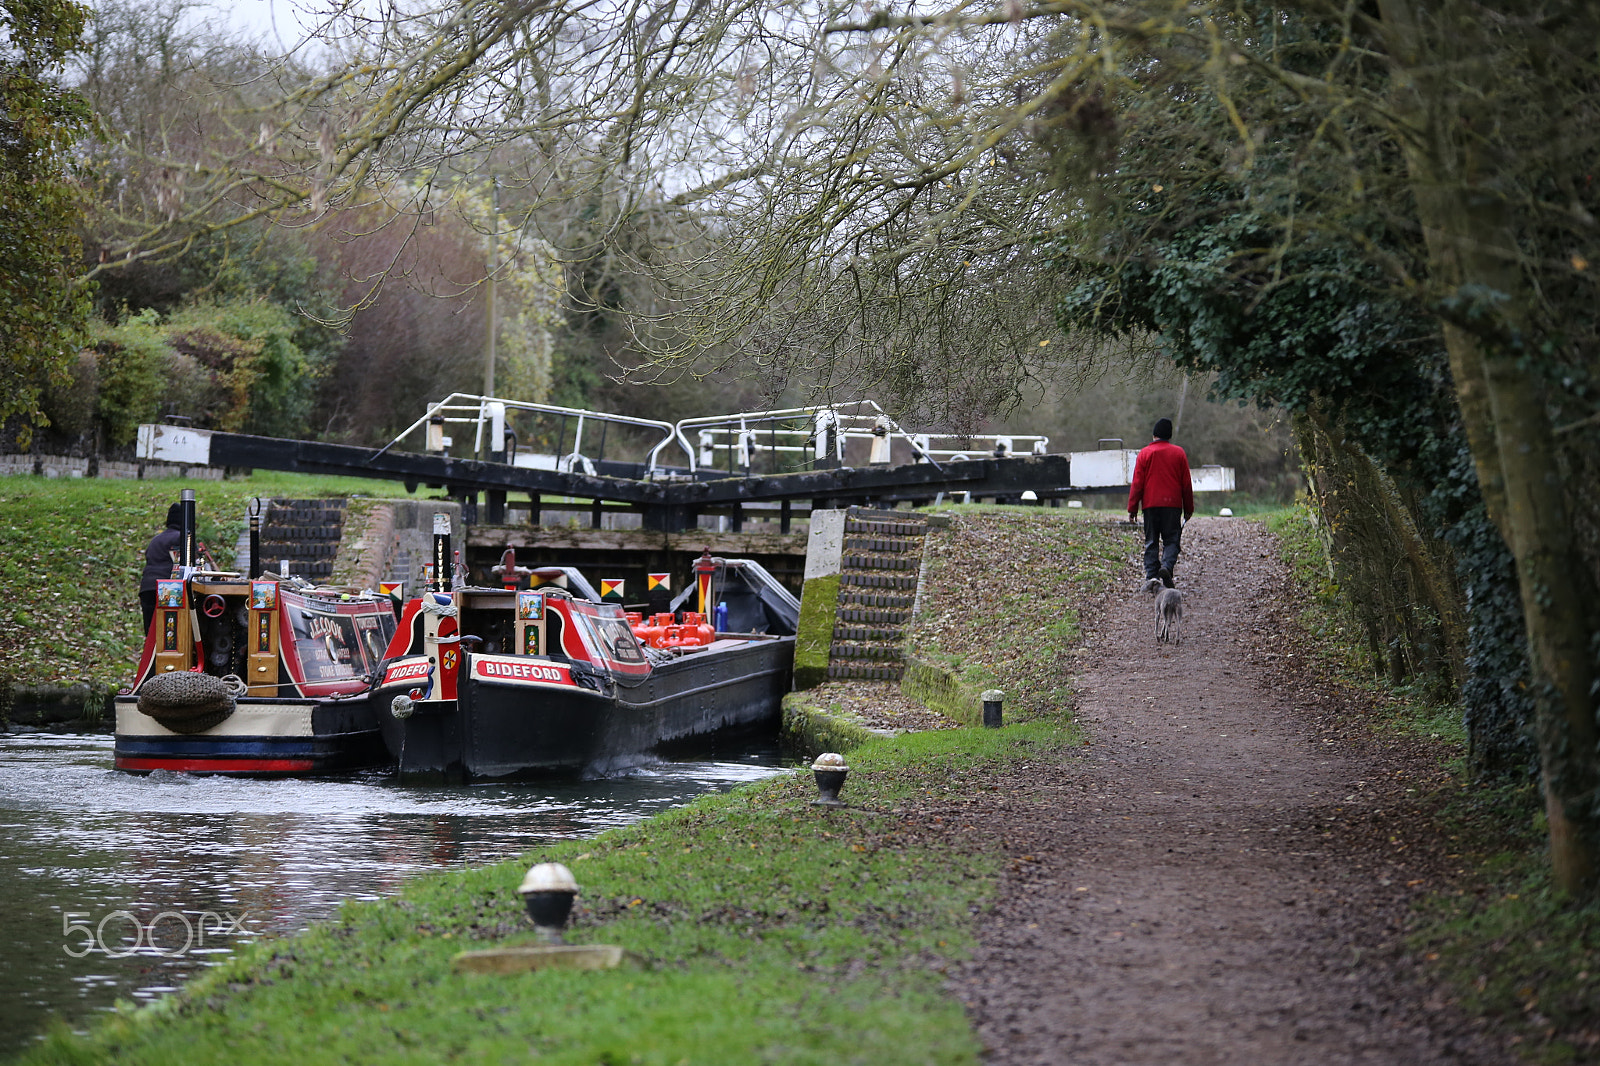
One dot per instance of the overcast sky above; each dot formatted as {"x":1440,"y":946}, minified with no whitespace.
{"x":276,"y":23}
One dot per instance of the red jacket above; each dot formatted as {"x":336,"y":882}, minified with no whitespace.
{"x":1161,"y":479}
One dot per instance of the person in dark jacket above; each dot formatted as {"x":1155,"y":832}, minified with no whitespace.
{"x":1161,"y":486}
{"x":160,"y":556}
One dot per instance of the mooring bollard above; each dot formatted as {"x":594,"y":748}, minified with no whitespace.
{"x":991,"y":708}
{"x":829,"y":770}
{"x":548,"y":892}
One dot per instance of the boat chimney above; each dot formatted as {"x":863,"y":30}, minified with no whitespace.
{"x":704,"y":568}
{"x":186,"y":504}
{"x":255,"y":536}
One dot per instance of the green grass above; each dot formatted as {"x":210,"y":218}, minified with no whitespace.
{"x":1504,"y":939}
{"x":71,"y":552}
{"x":769,"y":931}
{"x":1242,"y":506}
{"x":1328,"y":620}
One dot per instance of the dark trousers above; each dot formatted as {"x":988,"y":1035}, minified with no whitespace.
{"x":147,"y":603}
{"x":1163,"y":526}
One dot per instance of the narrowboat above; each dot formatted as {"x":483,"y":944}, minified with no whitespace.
{"x":498,"y":683}
{"x":257,"y":677}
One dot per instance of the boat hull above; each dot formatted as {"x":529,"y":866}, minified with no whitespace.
{"x":261,"y":738}
{"x":506,"y":726}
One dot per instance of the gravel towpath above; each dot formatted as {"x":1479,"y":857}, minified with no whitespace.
{"x":1218,"y":877}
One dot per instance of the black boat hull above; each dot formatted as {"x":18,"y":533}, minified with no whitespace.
{"x":583,"y":724}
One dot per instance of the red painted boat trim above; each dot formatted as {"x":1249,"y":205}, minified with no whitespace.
{"x":211,"y":766}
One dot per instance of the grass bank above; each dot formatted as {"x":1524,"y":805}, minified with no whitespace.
{"x":1005,"y":591}
{"x":1508,"y":946}
{"x":71,"y":552}
{"x":768,"y":930}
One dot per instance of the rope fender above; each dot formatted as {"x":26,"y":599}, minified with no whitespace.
{"x":187,"y":702}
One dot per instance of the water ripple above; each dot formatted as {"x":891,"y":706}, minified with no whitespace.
{"x":92,"y":857}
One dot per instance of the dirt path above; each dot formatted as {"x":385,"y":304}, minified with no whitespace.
{"x":1188,"y":891}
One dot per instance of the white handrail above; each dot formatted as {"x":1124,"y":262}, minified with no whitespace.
{"x":471,"y":408}
{"x":842,"y":422}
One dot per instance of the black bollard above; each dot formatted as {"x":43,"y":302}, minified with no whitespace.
{"x":991,"y":708}
{"x":548,"y":891}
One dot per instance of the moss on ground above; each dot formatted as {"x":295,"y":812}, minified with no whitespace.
{"x":811,"y":729}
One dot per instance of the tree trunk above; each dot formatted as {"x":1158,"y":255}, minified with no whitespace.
{"x":1473,"y":253}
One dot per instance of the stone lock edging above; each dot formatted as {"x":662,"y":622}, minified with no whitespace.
{"x":938,"y":689}
{"x":810,"y":729}
{"x":80,"y":708}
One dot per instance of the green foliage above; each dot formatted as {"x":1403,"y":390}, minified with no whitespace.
{"x":265,"y":382}
{"x":1317,"y":323}
{"x":231,"y":365}
{"x":1513,"y":947}
{"x":1328,"y":619}
{"x":265,"y":281}
{"x":135,"y":367}
{"x":43,"y":308}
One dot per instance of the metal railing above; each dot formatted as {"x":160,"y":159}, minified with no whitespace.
{"x":823,"y":432}
{"x":819,"y":433}
{"x":487,"y":414}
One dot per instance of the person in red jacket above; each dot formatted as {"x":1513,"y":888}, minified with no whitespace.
{"x":1162,"y":487}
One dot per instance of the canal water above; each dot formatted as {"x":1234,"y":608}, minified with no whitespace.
{"x":119,"y":887}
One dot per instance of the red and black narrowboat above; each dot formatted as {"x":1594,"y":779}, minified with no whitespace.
{"x":255,"y":677}
{"x":485,"y":683}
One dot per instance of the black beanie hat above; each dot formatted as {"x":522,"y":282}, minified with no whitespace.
{"x":1163,"y":429}
{"x":175,"y":516}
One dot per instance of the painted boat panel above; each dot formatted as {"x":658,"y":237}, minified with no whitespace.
{"x":249,"y":718}
{"x":322,"y":722}
{"x":261,"y":755}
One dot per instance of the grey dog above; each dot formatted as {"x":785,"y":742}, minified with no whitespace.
{"x":1169,"y":611}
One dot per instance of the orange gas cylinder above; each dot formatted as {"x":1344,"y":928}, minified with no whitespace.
{"x":649,"y":635}
{"x":695,"y":629}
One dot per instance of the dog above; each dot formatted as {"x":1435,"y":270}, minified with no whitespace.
{"x":1169,"y":611}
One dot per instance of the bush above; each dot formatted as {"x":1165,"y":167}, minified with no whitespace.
{"x":232,"y":365}
{"x":132,"y":363}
